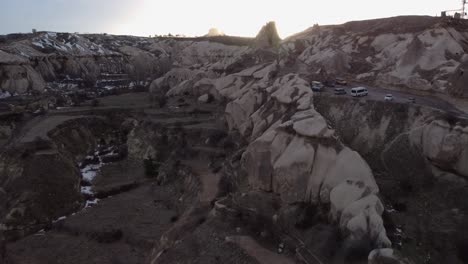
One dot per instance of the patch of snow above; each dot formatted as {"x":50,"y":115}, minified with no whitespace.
{"x":90,"y":172}
{"x":86,"y":190}
{"x":59,"y":219}
{"x":5,"y":94}
{"x":90,"y":203}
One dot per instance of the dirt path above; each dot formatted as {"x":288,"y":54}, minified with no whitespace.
{"x":39,"y":127}
{"x":261,"y":254}
{"x":209,"y":180}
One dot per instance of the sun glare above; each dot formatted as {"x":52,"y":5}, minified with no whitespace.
{"x":246,"y":17}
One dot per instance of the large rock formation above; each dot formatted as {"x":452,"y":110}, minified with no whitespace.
{"x":92,"y":60}
{"x":293,"y":151}
{"x":267,"y":37}
{"x":444,"y":145}
{"x":420,"y":53}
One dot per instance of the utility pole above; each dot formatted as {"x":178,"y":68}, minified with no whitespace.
{"x":460,"y":13}
{"x":463,"y":14}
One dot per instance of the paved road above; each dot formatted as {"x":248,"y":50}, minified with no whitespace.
{"x":378,"y":94}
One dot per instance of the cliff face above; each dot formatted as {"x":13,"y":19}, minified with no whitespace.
{"x":419,"y":53}
{"x":348,"y":154}
{"x":292,"y":150}
{"x":40,"y":177}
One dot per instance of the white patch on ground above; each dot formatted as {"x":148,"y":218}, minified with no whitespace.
{"x":5,"y":94}
{"x":86,"y":190}
{"x":59,"y":219}
{"x":90,"y":203}
{"x":90,"y":172}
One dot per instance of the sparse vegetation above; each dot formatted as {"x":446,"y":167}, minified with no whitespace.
{"x":162,"y":101}
{"x":357,"y":250}
{"x":462,"y":240}
{"x":95,"y":103}
{"x":151,"y":167}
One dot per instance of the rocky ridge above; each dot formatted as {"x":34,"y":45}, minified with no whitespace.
{"x":419,"y":53}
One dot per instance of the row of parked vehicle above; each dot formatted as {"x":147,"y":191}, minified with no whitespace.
{"x":355,"y":92}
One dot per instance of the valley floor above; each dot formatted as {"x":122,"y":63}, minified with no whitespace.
{"x":127,"y":225}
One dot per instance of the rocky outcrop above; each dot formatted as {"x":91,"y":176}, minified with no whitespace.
{"x":387,"y":255}
{"x":428,"y":55}
{"x":444,"y":145}
{"x":33,"y":195}
{"x":379,"y":131}
{"x":17,"y":76}
{"x":293,"y":151}
{"x":267,"y":37}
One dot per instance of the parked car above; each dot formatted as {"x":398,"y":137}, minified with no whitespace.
{"x":329,"y":83}
{"x":359,"y":91}
{"x":388,"y":97}
{"x":339,"y":91}
{"x":412,"y":100}
{"x":317,"y":86}
{"x":340,"y":81}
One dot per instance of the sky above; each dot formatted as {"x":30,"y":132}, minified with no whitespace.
{"x":196,"y":17}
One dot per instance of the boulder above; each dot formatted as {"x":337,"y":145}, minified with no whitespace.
{"x":386,"y":256}
{"x":347,"y":165}
{"x":444,"y":145}
{"x":311,"y":124}
{"x":344,"y":194}
{"x":204,"y":99}
{"x":362,"y":220}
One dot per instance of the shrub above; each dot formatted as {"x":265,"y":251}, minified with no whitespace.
{"x":306,"y":216}
{"x":450,"y":117}
{"x":151,"y":167}
{"x":174,"y":218}
{"x":94,"y":103}
{"x":357,"y":250}
{"x":462,"y":240}
{"x":162,"y":101}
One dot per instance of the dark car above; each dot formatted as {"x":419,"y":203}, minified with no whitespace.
{"x":341,"y":82}
{"x":340,"y":91}
{"x":329,"y":83}
{"x":412,"y":100}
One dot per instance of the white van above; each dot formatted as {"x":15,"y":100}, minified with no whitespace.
{"x":359,"y":91}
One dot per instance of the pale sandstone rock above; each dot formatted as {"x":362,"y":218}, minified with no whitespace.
{"x":348,"y":165}
{"x":443,"y":145}
{"x":291,"y":170}
{"x":344,"y":194}
{"x":204,"y":98}
{"x":228,"y":86}
{"x":368,"y":224}
{"x":314,"y":126}
{"x":267,"y":37}
{"x":325,"y":158}
{"x":386,"y":256}
{"x":290,"y":88}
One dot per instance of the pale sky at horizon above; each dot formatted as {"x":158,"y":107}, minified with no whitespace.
{"x":194,"y":18}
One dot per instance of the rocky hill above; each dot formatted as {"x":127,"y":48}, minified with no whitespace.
{"x":418,"y":53}
{"x":36,"y":62}
{"x":244,"y":163}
